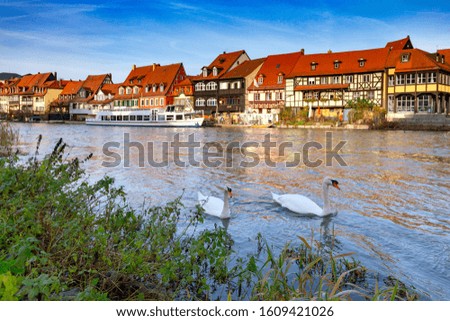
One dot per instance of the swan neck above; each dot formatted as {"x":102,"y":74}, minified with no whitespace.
{"x":226,"y":206}
{"x":326,"y":202}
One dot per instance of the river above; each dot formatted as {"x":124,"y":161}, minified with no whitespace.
{"x":393,"y":206}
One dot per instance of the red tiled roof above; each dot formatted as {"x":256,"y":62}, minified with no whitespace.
{"x":244,"y":69}
{"x":400,"y":44}
{"x":273,"y":66}
{"x":94,"y":82}
{"x":72,"y":87}
{"x":418,"y":60}
{"x":110,"y":88}
{"x":165,"y":75}
{"x":151,"y":75}
{"x":348,"y":62}
{"x":223,"y":63}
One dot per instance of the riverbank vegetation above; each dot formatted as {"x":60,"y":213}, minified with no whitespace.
{"x":64,"y":238}
{"x":8,"y":138}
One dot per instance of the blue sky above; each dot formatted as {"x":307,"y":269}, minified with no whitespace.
{"x":78,"y":38}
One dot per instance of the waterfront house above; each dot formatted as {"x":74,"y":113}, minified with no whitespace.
{"x":267,"y":92}
{"x":325,"y":83}
{"x":9,"y":98}
{"x":418,"y":85}
{"x":149,"y":86}
{"x":183,"y":93}
{"x":30,"y":95}
{"x":233,"y":91}
{"x":80,"y":96}
{"x":207,"y":84}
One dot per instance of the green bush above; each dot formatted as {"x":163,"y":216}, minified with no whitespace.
{"x":63,"y":236}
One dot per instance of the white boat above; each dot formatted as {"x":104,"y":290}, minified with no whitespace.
{"x":172,"y":116}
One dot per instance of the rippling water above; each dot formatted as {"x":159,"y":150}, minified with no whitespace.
{"x":393,"y":204}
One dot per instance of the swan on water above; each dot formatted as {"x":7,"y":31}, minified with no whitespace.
{"x":215,"y":206}
{"x":303,"y":205}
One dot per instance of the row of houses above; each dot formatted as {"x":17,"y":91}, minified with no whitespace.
{"x":397,"y":77}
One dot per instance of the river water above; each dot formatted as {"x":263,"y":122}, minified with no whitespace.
{"x":393,"y":207}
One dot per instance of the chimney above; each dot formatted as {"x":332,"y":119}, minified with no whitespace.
{"x":330,"y":51}
{"x":133,"y":67}
{"x":302,"y":51}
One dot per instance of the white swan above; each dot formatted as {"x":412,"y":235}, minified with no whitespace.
{"x":215,"y":206}
{"x":303,"y":205}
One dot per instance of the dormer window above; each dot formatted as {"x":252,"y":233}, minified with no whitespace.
{"x":405,"y":57}
{"x":121,"y":91}
{"x":362,"y":62}
{"x":260,"y":80}
{"x":205,"y":72}
{"x":128,"y":90}
{"x":161,"y":87}
{"x":215,"y":71}
{"x":280,"y":79}
{"x":313,"y":65}
{"x":154,"y":88}
{"x":337,"y":63}
{"x":136,"y":90}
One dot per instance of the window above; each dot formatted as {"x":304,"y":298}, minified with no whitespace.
{"x":257,"y":97}
{"x":128,"y":90}
{"x":161,"y":87}
{"x":215,"y":71}
{"x":425,"y":104}
{"x":200,"y":86}
{"x":362,"y":62}
{"x":405,"y":57}
{"x":313,"y":65}
{"x":366,"y":78}
{"x":205,"y":72}
{"x":211,"y":102}
{"x":161,"y":101}
{"x":280,"y":79}
{"x":154,"y":88}
{"x":279,"y":96}
{"x":336,"y":79}
{"x":421,"y":78}
{"x":211,"y":86}
{"x":260,"y":80}
{"x":405,"y":103}
{"x":136,"y":90}
{"x":348,"y":79}
{"x":391,"y":81}
{"x":223,"y":85}
{"x":371,"y":95}
{"x":268,"y":96}
{"x":311,"y":81}
{"x":410,"y":79}
{"x":400,"y":79}
{"x":431,"y":77}
{"x":324,"y":80}
{"x":200,"y":102}
{"x":337,"y":63}
{"x":391,"y":100}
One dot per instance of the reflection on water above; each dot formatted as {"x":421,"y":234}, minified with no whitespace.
{"x":393,"y":204}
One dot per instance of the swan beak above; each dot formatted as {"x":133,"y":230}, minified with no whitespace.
{"x":230,"y":194}
{"x":336,"y":184}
